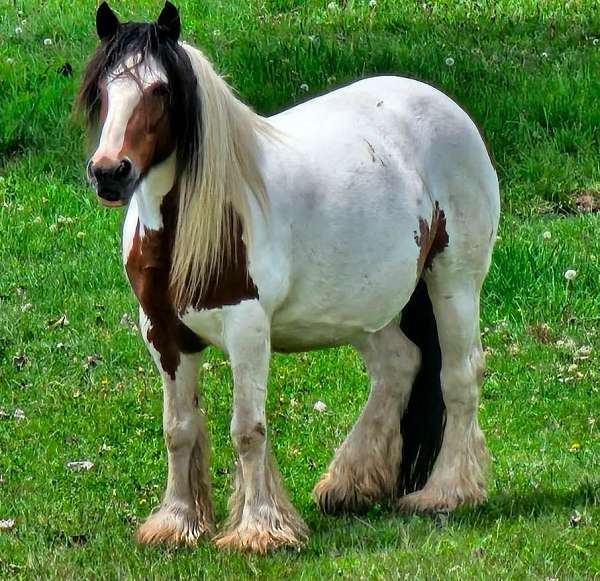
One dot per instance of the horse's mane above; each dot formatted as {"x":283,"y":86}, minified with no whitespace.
{"x":215,"y":198}
{"x":217,"y":150}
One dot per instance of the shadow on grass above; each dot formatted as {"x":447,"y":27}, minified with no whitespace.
{"x":382,"y":529}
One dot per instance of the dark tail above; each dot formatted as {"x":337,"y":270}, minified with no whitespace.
{"x":422,"y":424}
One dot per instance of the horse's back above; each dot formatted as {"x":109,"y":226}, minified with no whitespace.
{"x":353,"y":178}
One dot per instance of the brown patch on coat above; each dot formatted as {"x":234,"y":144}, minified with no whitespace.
{"x":148,"y":269}
{"x":148,"y":138}
{"x":431,"y":239}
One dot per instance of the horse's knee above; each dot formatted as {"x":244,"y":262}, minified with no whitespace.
{"x":247,"y":436}
{"x":180,"y":433}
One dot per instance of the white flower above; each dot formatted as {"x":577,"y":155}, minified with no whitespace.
{"x":332,"y":6}
{"x":547,"y":235}
{"x":544,"y":55}
{"x":7,"y":523}
{"x":449,"y":61}
{"x":18,"y":30}
{"x":37,"y":220}
{"x":47,"y":42}
{"x":9,"y":60}
{"x":320,"y":406}
{"x":304,"y":87}
{"x":207,"y":366}
{"x":595,"y":42}
{"x":372,"y":3}
{"x":26,"y":307}
{"x":80,"y":235}
{"x":19,"y":414}
{"x":570,"y":274}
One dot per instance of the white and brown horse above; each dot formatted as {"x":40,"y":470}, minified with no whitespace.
{"x":366,"y":216}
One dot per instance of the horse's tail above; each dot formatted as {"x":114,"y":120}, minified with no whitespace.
{"x":422,"y":424}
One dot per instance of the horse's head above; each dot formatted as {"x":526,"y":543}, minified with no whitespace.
{"x":139,"y":90}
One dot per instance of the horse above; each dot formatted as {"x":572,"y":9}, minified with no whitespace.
{"x":366,"y":217}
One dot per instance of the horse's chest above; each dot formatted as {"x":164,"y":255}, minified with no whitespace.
{"x":148,"y":265}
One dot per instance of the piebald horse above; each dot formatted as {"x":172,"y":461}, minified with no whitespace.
{"x":366,"y":216}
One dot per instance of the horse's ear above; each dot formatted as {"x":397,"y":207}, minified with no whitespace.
{"x":169,"y":21}
{"x":107,"y":22}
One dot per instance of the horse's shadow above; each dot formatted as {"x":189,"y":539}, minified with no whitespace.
{"x":374,"y":527}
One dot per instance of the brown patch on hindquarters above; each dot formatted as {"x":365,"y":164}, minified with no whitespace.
{"x":148,"y":268}
{"x":431,"y":239}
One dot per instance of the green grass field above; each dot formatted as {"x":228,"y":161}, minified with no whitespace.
{"x":529,"y":73}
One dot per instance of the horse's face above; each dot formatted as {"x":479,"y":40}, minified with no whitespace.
{"x":130,"y":94}
{"x":135,"y":130}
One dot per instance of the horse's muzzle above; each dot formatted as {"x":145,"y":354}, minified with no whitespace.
{"x":114,"y":182}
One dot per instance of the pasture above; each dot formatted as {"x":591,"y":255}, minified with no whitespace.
{"x":76,"y":383}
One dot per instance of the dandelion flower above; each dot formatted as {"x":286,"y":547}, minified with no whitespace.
{"x":570,"y":274}
{"x":320,"y":406}
{"x":449,"y":61}
{"x":47,"y":42}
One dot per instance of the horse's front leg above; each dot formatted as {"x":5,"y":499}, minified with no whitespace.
{"x":261,"y":516}
{"x":185,"y":513}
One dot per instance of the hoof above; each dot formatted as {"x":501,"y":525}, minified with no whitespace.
{"x":336,"y":497}
{"x":432,"y":500}
{"x":260,"y":540}
{"x":174,"y":526}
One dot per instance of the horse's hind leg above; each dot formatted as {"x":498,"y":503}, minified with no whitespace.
{"x":366,"y":466}
{"x":458,"y":476}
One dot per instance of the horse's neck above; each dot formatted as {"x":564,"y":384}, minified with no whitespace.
{"x":157,"y":188}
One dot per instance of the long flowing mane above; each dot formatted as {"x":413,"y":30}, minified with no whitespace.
{"x":217,"y":150}
{"x":213,"y":197}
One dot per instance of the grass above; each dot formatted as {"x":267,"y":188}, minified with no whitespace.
{"x":527,"y":71}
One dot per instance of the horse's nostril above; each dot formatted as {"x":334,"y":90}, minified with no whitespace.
{"x":124,"y":169}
